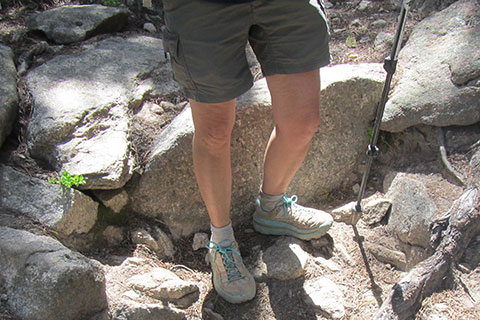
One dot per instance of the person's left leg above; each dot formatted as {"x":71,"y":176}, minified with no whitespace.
{"x":295,"y":104}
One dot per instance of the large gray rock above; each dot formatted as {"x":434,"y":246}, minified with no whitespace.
{"x":439,"y":71}
{"x":63,"y":209}
{"x":44,"y":280}
{"x":167,"y":188}
{"x":74,"y":23}
{"x":82,"y":105}
{"x":8,"y":92}
{"x":412,"y":211}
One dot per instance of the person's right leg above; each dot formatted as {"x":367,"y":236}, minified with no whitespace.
{"x":211,"y":158}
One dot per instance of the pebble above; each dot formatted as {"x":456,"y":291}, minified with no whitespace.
{"x":355,"y":23}
{"x":379,"y":23}
{"x":330,"y":265}
{"x":150,"y":27}
{"x":364,"y":5}
{"x":200,"y":241}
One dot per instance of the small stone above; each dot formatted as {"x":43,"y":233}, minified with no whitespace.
{"x":344,"y":213}
{"x":356,"y":188}
{"x":379,"y":23}
{"x":200,"y":241}
{"x":324,"y":294}
{"x":330,"y":265}
{"x":388,"y":256}
{"x":355,"y":23}
{"x":157,"y":240}
{"x":164,"y":242}
{"x":286,"y":259}
{"x":157,"y":109}
{"x":364,"y":39}
{"x":167,"y":105}
{"x":364,"y":5}
{"x":113,"y":235}
{"x":328,"y":4}
{"x":375,"y":209}
{"x":383,"y":41}
{"x":141,"y":236}
{"x":150,"y":27}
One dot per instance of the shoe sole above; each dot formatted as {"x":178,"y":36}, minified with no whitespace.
{"x":278,"y":228}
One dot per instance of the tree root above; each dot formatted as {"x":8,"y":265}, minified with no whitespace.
{"x":406,"y":297}
{"x":443,"y":153}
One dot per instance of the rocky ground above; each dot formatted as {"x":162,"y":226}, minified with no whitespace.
{"x":364,"y":280}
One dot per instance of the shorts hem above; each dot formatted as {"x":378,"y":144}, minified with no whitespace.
{"x":294,"y":68}
{"x":217,"y":98}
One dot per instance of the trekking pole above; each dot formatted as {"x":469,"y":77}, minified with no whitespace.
{"x":390,"y":65}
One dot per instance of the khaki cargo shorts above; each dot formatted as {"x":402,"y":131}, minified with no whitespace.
{"x":206,"y":43}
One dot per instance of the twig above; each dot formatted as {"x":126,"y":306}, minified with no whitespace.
{"x":443,"y":153}
{"x":181,"y":266}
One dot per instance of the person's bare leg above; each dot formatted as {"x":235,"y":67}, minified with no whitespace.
{"x":211,"y":157}
{"x":295,"y":104}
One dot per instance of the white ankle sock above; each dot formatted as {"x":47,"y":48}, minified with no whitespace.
{"x":268,"y":202}
{"x":222,"y":236}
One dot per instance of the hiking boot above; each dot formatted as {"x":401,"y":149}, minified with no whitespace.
{"x":231,"y":279}
{"x":291,"y":219}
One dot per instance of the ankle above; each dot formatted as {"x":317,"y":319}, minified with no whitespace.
{"x":222,"y":236}
{"x":269,"y":202}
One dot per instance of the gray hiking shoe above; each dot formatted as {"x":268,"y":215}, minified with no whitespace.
{"x":231,"y":279}
{"x":291,"y":219}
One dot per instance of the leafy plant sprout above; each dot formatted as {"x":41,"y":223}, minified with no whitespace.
{"x":69,"y":180}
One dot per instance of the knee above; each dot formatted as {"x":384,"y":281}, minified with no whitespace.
{"x":302,"y":129}
{"x":214,"y":137}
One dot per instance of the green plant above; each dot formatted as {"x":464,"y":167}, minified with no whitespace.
{"x":111,"y":3}
{"x":69,"y":180}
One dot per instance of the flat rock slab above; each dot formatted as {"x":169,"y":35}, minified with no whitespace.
{"x":82,"y":105}
{"x":164,"y":285}
{"x":439,"y":72}
{"x":44,"y":280}
{"x":8,"y":92}
{"x":63,"y":209}
{"x":75,"y":23}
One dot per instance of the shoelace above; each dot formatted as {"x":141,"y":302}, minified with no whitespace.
{"x":287,"y":203}
{"x":227,"y":258}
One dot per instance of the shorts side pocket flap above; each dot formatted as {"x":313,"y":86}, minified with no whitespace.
{"x":170,"y":43}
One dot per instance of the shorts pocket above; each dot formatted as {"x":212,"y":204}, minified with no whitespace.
{"x":172,"y":46}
